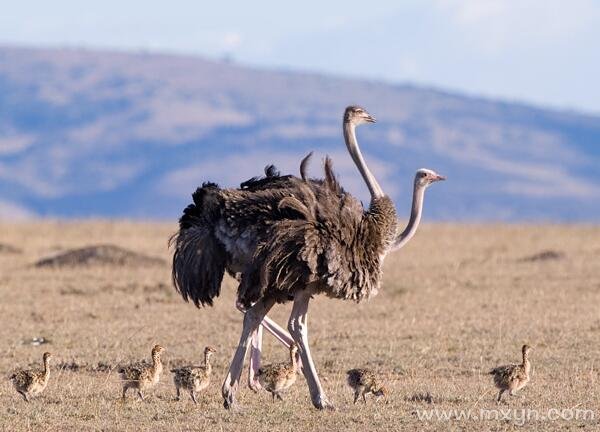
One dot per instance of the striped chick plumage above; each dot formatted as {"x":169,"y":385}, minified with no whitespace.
{"x":29,"y":383}
{"x":512,"y":377}
{"x":276,"y":378}
{"x":142,"y":376}
{"x":194,"y":378}
{"x":363,"y":382}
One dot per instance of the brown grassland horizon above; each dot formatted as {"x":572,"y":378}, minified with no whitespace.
{"x":457,"y":301}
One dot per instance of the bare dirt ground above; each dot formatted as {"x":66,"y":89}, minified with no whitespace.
{"x":455,"y":302}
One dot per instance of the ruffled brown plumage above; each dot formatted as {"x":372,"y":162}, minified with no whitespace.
{"x":282,"y":234}
{"x":326,"y":240}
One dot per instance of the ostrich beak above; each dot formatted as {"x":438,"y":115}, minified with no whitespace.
{"x":369,"y":118}
{"x":439,"y":178}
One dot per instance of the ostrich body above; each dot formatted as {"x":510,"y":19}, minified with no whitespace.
{"x":194,"y":378}
{"x":276,"y":378}
{"x":363,"y":382}
{"x":288,"y":239}
{"x":29,"y":383}
{"x":512,"y":377}
{"x":142,"y":376}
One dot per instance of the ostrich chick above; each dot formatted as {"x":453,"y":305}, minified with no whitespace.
{"x":364,"y":381}
{"x":32,"y":382}
{"x":278,"y":377}
{"x":142,"y":376}
{"x":194,"y":378}
{"x":512,"y":377}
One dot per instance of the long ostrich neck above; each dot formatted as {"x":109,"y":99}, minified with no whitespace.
{"x":354,"y":150}
{"x":526,"y":363}
{"x":207,"y":361}
{"x":156,"y":363}
{"x":415,"y":219}
{"x":46,"y":368}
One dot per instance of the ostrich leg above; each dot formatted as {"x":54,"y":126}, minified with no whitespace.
{"x":256,"y":347}
{"x":276,"y":330}
{"x":255,"y":353}
{"x":252,"y":320}
{"x":298,"y":327}
{"x":272,"y":327}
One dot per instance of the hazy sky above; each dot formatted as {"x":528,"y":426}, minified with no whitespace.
{"x":546,"y":52}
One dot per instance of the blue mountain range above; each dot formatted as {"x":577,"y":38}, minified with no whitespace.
{"x":113,"y":134}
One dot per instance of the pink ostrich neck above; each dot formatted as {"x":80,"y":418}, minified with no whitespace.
{"x":207,"y":361}
{"x":354,"y":150}
{"x":46,"y":368}
{"x":415,"y":219}
{"x":526,"y":363}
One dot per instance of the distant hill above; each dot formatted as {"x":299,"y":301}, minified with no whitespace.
{"x":87,"y":133}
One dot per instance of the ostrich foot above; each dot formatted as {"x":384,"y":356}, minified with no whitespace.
{"x":229,"y":402}
{"x":254,"y":385}
{"x":322,"y":403}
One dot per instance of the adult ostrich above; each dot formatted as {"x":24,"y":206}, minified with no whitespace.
{"x":288,"y":242}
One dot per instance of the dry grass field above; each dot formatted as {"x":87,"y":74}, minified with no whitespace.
{"x":457,"y":301}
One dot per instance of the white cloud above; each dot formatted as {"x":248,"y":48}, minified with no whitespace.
{"x":27,"y":174}
{"x":503,"y":24}
{"x":472,"y":12}
{"x":560,"y":188}
{"x":231,"y":40}
{"x":13,"y":144}
{"x":13,"y":211}
{"x":408,"y":67}
{"x":109,"y":176}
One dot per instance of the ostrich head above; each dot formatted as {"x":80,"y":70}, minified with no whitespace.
{"x":157,"y":350}
{"x":526,"y":349}
{"x":357,"y":115}
{"x":208,"y":351}
{"x":293,"y":349}
{"x":47,"y":356}
{"x":425,"y":177}
{"x":382,"y":392}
